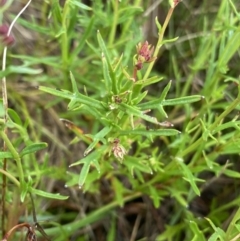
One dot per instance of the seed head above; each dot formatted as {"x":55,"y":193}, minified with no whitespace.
{"x":118,"y":150}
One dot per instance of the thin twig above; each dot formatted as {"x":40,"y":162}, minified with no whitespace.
{"x":36,"y":224}
{"x":21,"y":225}
{"x":135,"y":228}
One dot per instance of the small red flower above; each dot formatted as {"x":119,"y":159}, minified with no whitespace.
{"x":144,"y":55}
{"x":176,"y":2}
{"x":4,"y":37}
{"x":8,"y":40}
{"x":3,"y":29}
{"x":2,"y":2}
{"x":144,"y":52}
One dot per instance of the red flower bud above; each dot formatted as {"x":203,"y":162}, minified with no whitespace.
{"x":2,"y":2}
{"x":8,"y":40}
{"x":3,"y":29}
{"x":176,"y":2}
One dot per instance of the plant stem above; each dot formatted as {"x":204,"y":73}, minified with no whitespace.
{"x":114,"y":24}
{"x":159,"y":43}
{"x":65,"y":43}
{"x":15,"y":154}
{"x":12,"y":178}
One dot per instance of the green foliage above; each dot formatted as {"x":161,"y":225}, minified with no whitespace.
{"x":156,"y":141}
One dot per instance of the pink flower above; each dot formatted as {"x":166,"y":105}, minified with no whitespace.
{"x":176,"y":2}
{"x":2,"y":2}
{"x":9,"y":40}
{"x":3,"y":29}
{"x":4,"y":37}
{"x":144,"y":54}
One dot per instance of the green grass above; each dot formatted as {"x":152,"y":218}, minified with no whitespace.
{"x":117,"y":138}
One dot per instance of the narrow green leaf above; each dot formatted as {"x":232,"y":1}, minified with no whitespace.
{"x":81,"y":5}
{"x":230,"y":49}
{"x":150,"y":133}
{"x":83,"y":38}
{"x":230,"y":124}
{"x":136,"y":163}
{"x":117,"y":65}
{"x":107,"y":78}
{"x":5,"y":154}
{"x":182,"y":100}
{"x":198,"y":234}
{"x":188,"y":176}
{"x":57,"y":92}
{"x":209,"y":162}
{"x":48,"y":60}
{"x":136,"y":112}
{"x":104,"y":49}
{"x":169,"y":40}
{"x":118,"y":189}
{"x":231,"y":147}
{"x":165,"y":91}
{"x":140,"y":97}
{"x":19,"y":70}
{"x":178,"y":195}
{"x":96,"y":164}
{"x":97,"y":138}
{"x":57,"y":11}
{"x":162,"y":111}
{"x":33,"y":148}
{"x":154,"y":196}
{"x":111,"y":234}
{"x":89,"y":158}
{"x":93,"y":111}
{"x":149,"y":81}
{"x":158,"y":24}
{"x":24,"y":190}
{"x":48,"y":195}
{"x":36,"y":27}
{"x":128,"y":12}
{"x":108,"y":60}
{"x":24,"y":70}
{"x":154,"y":104}
{"x":74,"y":84}
{"x":231,"y":173}
{"x":82,"y":99}
{"x":219,"y":234}
{"x":83,"y":174}
{"x":171,"y":232}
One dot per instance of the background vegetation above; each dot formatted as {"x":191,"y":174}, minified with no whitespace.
{"x":113,"y":137}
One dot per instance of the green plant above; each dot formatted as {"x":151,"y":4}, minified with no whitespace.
{"x":144,"y":143}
